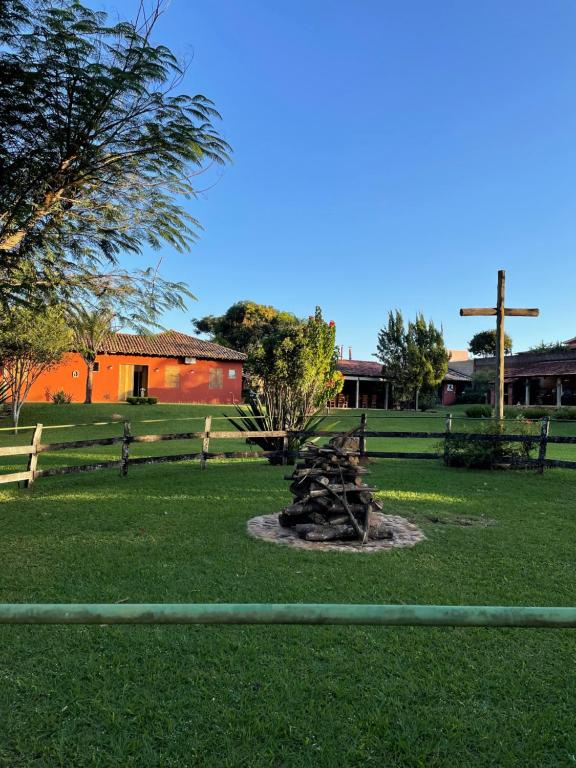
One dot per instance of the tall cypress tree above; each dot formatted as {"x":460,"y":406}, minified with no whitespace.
{"x":414,"y":358}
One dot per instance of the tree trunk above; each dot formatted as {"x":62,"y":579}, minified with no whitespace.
{"x":416,"y":399}
{"x":16,"y":408}
{"x":89,"y":381}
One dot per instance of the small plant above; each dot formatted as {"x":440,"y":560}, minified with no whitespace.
{"x":427,"y":401}
{"x":565,"y":414}
{"x":464,"y":450}
{"x":253,"y":418}
{"x":142,"y":400}
{"x":536,"y":412}
{"x":61,"y":397}
{"x":479,"y":412}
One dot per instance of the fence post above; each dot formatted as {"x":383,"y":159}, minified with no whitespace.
{"x":33,"y":457}
{"x":125,"y":449}
{"x":206,"y":442}
{"x":447,"y":439}
{"x":362,"y":441}
{"x":544,"y":431}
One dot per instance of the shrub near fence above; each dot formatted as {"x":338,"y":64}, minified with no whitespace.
{"x":449,"y":437}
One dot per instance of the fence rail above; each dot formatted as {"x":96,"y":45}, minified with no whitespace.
{"x":125,"y":440}
{"x":290,"y":613}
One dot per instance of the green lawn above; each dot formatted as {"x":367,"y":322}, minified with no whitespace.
{"x":282,"y":696}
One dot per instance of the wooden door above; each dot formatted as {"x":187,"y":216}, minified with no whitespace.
{"x":125,"y":381}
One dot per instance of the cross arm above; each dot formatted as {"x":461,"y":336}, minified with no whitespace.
{"x":491,"y":311}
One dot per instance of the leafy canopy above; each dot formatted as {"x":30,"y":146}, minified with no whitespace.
{"x":97,"y":150}
{"x":31,"y":342}
{"x":245,"y":324}
{"x":295,"y":371}
{"x":483,"y":344}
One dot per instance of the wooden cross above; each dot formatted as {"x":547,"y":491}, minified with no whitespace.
{"x":500,"y":311}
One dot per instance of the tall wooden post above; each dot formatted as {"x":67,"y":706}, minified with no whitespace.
{"x":206,"y":441}
{"x":501,"y":312}
{"x":33,"y":458}
{"x":447,"y":439}
{"x":500,"y":344}
{"x":125,"y":449}
{"x":362,"y":440}
{"x":544,"y":432}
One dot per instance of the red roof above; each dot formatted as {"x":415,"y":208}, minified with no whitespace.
{"x":167,"y":344}
{"x":360,"y":368}
{"x":545,"y":368}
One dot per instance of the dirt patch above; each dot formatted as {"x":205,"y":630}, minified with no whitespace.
{"x":464,"y":522}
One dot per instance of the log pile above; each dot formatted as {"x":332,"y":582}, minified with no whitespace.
{"x":331,"y":499}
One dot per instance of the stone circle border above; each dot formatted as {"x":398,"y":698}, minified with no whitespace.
{"x":267,"y":528}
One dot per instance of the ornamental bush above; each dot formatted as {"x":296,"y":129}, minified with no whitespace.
{"x":142,"y":400}
{"x":61,"y":397}
{"x":465,"y":451}
{"x":479,"y":412}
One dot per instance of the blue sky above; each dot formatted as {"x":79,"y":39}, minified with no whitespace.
{"x":386,"y":155}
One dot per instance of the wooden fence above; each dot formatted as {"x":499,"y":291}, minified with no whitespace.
{"x":127,"y":439}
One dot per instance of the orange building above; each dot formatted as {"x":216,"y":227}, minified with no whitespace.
{"x":172,"y":366}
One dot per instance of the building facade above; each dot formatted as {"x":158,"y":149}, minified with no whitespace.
{"x":172,"y":366}
{"x":364,"y":385}
{"x":531,"y":378}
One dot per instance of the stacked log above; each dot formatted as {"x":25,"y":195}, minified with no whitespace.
{"x":331,"y":499}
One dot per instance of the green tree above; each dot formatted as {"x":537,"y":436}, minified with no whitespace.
{"x":545,"y":347}
{"x":245,"y":324}
{"x":414,"y":358}
{"x":483,"y":344}
{"x":427,"y":356}
{"x":295,"y":371}
{"x":392,"y":351}
{"x":97,"y":150}
{"x":90,"y":329}
{"x":31,"y":342}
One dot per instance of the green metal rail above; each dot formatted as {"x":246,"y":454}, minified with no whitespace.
{"x":288,"y":613}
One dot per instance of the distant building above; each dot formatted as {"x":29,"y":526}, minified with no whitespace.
{"x":538,"y":378}
{"x":364,"y":385}
{"x":458,"y":355}
{"x":458,"y":377}
{"x":172,"y":366}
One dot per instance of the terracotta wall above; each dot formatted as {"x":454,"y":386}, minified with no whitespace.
{"x":180,"y":384}
{"x":449,"y":393}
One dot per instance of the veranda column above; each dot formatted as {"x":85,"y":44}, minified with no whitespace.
{"x":386,"y":395}
{"x":527,"y":392}
{"x":357,"y":393}
{"x":558,"y":392}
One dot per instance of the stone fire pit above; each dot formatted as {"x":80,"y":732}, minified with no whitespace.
{"x":333,"y":508}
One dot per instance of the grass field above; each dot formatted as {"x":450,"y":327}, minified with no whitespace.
{"x":281,"y":696}
{"x":105,"y":420}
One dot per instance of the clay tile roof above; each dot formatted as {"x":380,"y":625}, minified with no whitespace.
{"x":460,"y":370}
{"x":545,"y":368}
{"x":360,"y":368}
{"x":167,"y":344}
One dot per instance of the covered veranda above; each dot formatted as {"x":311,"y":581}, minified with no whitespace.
{"x":553,"y":390}
{"x":364,"y":385}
